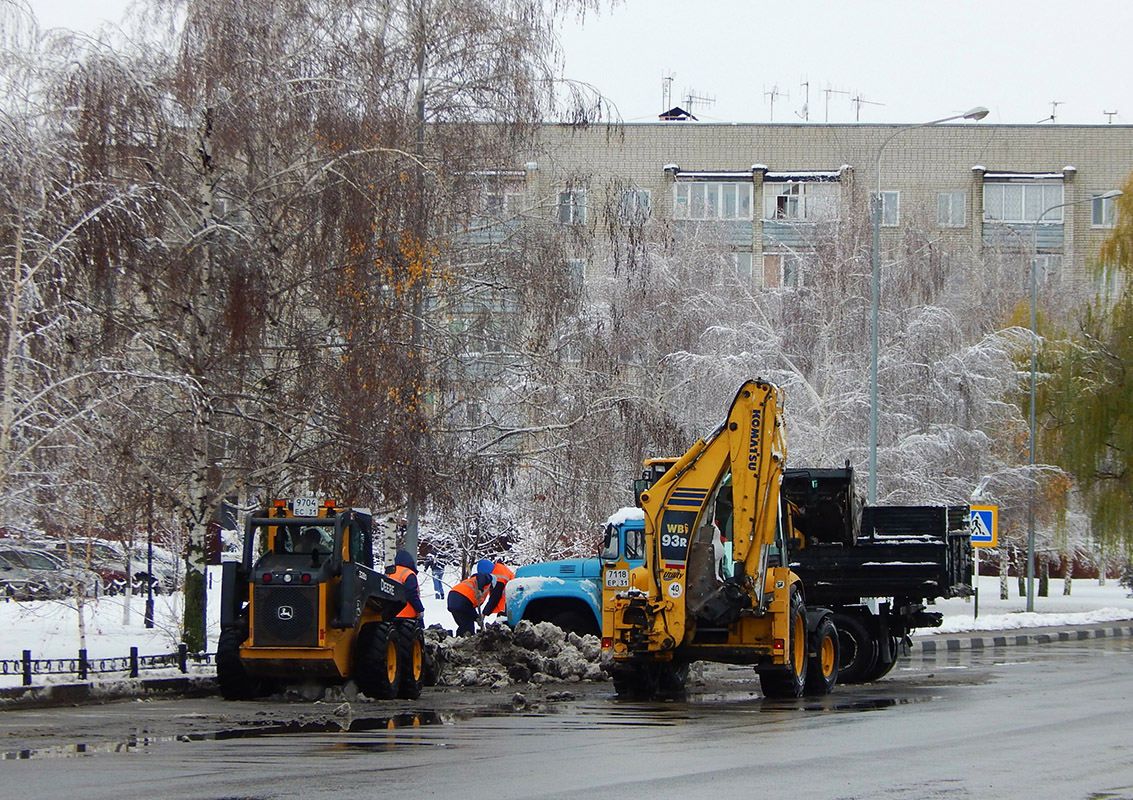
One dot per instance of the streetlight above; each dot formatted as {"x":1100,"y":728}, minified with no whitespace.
{"x":1034,"y":369}
{"x":977,"y":113}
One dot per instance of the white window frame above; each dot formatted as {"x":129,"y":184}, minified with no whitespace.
{"x":800,"y":201}
{"x":952,"y":209}
{"x":572,"y":207}
{"x":712,"y":200}
{"x":1048,"y":268}
{"x":789,"y":270}
{"x":1103,"y":211}
{"x":742,"y":262}
{"x":501,"y":202}
{"x":1019,"y":201}
{"x":635,"y":205}
{"x":890,"y":208}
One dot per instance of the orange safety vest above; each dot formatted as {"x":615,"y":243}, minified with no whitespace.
{"x":503,"y":575}
{"x":469,"y":589}
{"x":400,"y":574}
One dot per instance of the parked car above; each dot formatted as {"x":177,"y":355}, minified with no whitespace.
{"x":19,"y":583}
{"x":103,"y":558}
{"x":51,"y":570}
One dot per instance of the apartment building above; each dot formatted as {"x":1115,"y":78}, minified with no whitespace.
{"x":1034,"y":189}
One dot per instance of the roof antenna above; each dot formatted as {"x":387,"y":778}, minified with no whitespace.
{"x":1109,"y":116}
{"x":667,"y":90}
{"x":773,"y":94}
{"x":858,"y":102}
{"x":828,"y":91}
{"x":1054,"y":104}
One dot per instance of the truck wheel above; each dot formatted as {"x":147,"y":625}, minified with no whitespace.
{"x":790,"y":681}
{"x":882,"y":668}
{"x":822,"y":671}
{"x":411,"y":654}
{"x":857,"y":649}
{"x":235,"y":683}
{"x":376,"y":665}
{"x":634,"y":682}
{"x":573,"y":621}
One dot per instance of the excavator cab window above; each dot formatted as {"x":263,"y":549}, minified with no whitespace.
{"x":361,"y":544}
{"x":311,"y":539}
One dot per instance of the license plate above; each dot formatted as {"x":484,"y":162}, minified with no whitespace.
{"x":305,"y":506}
{"x":617,"y":578}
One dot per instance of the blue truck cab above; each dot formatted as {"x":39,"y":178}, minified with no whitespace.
{"x":568,"y":593}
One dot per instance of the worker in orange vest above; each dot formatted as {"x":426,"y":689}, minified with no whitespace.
{"x":464,"y":601}
{"x":500,"y":574}
{"x":405,"y":571}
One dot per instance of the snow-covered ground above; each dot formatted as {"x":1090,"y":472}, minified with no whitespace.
{"x":51,"y":630}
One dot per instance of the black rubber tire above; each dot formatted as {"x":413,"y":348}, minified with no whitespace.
{"x":377,"y":668}
{"x":574,"y":621}
{"x":652,"y":680}
{"x":882,"y":668}
{"x":822,"y":671}
{"x":235,"y":683}
{"x":857,"y":649}
{"x":411,"y":654}
{"x":790,"y":681}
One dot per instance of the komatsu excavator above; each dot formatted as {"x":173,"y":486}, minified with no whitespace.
{"x":692,"y":599}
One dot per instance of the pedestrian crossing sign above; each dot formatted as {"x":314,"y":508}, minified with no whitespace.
{"x":985,"y":526}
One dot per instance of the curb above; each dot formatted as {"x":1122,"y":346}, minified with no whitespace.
{"x":981,"y":640}
{"x":65,"y":694}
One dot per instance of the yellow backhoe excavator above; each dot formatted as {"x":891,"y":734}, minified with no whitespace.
{"x":715,"y":585}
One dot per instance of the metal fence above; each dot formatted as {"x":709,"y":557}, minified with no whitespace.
{"x":82,"y":667}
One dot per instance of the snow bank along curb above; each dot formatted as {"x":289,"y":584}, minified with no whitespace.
{"x":65,"y":694}
{"x":981,"y":640}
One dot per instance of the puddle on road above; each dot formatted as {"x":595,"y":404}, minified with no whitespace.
{"x":137,"y":744}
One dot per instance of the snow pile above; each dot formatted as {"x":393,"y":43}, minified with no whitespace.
{"x":498,"y":656}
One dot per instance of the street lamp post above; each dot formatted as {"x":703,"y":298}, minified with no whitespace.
{"x":1034,"y":370}
{"x":977,"y":113}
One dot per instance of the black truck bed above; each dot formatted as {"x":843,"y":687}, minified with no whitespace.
{"x":910,"y":553}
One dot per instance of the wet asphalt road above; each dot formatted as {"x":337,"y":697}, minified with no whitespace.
{"x":1054,"y":721}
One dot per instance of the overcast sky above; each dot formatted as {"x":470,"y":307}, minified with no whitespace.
{"x":903,"y":61}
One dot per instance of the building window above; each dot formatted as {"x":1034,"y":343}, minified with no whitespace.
{"x":576,"y":273}
{"x":572,"y":207}
{"x":782,"y":270}
{"x":741,"y":260}
{"x":890,"y":209}
{"x":501,"y":203}
{"x":1048,"y":268}
{"x":800,"y":201}
{"x":711,"y":200}
{"x":1103,"y":211}
{"x":1022,"y":202}
{"x":950,"y":209}
{"x":634,"y":205}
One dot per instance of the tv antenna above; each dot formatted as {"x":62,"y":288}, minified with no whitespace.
{"x":1109,"y":116}
{"x":667,"y":90}
{"x":828,"y":91}
{"x":1054,"y":104}
{"x":774,"y":93}
{"x":692,"y":99}
{"x":805,"y":113}
{"x":860,"y":101}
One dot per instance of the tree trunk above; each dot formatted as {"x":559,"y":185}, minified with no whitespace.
{"x":1004,"y":563}
{"x":1044,"y":578}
